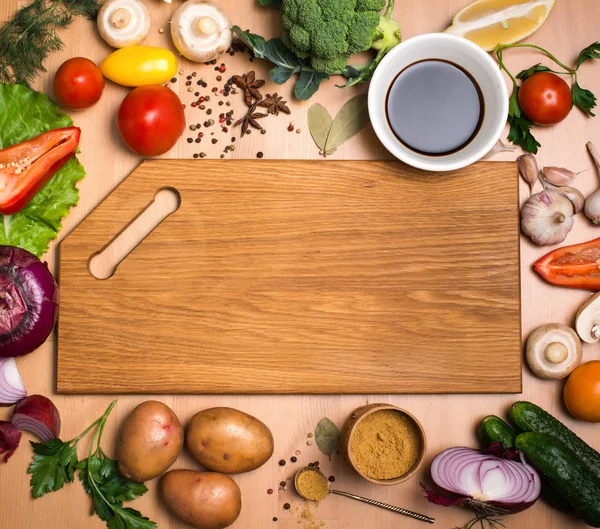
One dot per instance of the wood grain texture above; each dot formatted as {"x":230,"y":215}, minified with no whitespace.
{"x":449,"y":420}
{"x":298,"y":277}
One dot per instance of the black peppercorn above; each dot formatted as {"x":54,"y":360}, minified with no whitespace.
{"x":281,"y":461}
{"x":287,"y":506}
{"x":293,"y":459}
{"x":190,"y":140}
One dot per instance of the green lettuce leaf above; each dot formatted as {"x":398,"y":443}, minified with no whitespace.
{"x":25,"y":114}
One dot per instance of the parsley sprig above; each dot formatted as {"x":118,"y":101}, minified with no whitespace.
{"x":55,"y":463}
{"x":520,"y":125}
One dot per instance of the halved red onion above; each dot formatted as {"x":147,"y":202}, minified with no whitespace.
{"x":38,"y":415}
{"x":9,"y":439}
{"x":483,"y":481}
{"x":28,"y":302}
{"x":12,"y":388}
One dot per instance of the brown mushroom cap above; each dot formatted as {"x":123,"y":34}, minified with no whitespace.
{"x":553,"y":351}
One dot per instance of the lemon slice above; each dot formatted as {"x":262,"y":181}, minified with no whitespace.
{"x":491,"y":22}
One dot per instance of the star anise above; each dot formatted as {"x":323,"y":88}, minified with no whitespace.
{"x":250,"y":85}
{"x":250,"y":119}
{"x":274,"y":104}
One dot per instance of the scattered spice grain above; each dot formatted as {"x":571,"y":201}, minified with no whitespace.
{"x":260,"y":155}
{"x":287,"y":506}
{"x":281,"y":461}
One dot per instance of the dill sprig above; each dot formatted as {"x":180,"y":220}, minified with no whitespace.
{"x":31,"y":35}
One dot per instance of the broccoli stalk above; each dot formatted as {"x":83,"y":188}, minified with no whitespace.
{"x":388,"y":35}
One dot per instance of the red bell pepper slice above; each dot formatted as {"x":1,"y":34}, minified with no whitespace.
{"x":27,"y":166}
{"x":576,"y":266}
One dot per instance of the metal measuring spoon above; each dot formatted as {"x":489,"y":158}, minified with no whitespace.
{"x":399,"y":510}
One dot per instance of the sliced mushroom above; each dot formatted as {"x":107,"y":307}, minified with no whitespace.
{"x":587,"y":321}
{"x":553,"y":351}
{"x":201,"y":30}
{"x":124,"y":22}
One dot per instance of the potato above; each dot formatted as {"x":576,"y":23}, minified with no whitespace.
{"x":229,"y":441}
{"x":206,"y":500}
{"x":150,"y":441}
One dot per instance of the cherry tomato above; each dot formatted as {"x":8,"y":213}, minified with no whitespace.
{"x":582,"y":392}
{"x":151,"y":120}
{"x":545,"y":98}
{"x":78,"y":84}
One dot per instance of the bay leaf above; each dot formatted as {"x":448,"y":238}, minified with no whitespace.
{"x":351,"y":119}
{"x":327,"y":436}
{"x":319,"y":124}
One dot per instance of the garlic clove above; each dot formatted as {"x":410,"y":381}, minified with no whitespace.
{"x":592,"y":207}
{"x":547,"y":218}
{"x":558,"y":176}
{"x":528,"y":169}
{"x":574,"y":195}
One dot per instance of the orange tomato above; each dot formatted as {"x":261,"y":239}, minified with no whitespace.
{"x":582,"y":392}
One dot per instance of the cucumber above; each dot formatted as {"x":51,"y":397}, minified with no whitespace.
{"x":492,"y":429}
{"x":562,"y":469}
{"x":528,"y":417}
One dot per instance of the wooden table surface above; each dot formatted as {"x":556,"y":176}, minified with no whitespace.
{"x":448,"y":420}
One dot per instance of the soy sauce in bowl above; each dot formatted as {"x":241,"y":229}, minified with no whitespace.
{"x":434,"y":107}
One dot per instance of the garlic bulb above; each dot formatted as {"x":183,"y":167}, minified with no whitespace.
{"x":574,"y":195}
{"x":558,"y":176}
{"x":547,"y":218}
{"x":592,"y":203}
{"x":528,"y":169}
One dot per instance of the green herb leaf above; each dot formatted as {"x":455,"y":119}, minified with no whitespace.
{"x":281,"y":74}
{"x":583,"y":99}
{"x":278,"y":53}
{"x":53,"y":465}
{"x":351,"y":119}
{"x":520,"y":126}
{"x":319,"y":124}
{"x":308,"y":83}
{"x":256,"y":43}
{"x":327,"y":436}
{"x":25,"y":114}
{"x":128,"y":518}
{"x":270,"y":3}
{"x":526,"y":74}
{"x":31,"y":35}
{"x":588,"y":54}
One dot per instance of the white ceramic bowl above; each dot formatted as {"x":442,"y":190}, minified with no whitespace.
{"x":474,"y":60}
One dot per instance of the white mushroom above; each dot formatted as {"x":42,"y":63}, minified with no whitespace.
{"x":553,"y":351}
{"x":124,"y":22}
{"x":201,"y":30}
{"x":587,"y":321}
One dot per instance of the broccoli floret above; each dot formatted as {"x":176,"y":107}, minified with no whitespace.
{"x":329,"y":31}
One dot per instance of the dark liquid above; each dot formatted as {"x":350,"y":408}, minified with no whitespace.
{"x":434,"y":107}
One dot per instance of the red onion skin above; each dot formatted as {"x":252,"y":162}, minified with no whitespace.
{"x":28,"y":302}
{"x":40,"y":409}
{"x":10,"y":438}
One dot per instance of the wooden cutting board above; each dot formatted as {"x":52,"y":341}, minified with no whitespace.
{"x":299,"y":277}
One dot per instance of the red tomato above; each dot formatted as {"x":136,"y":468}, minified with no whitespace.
{"x":78,"y":84}
{"x":151,"y":120}
{"x":545,"y":98}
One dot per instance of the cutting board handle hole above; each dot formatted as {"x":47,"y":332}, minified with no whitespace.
{"x":102,"y":265}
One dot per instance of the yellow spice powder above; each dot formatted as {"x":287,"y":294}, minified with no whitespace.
{"x":385,"y":444}
{"x":312,"y":485}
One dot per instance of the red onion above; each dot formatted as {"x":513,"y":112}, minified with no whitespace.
{"x":483,"y":481}
{"x":38,"y":415}
{"x":9,"y":439}
{"x":11,"y":385}
{"x":28,"y":302}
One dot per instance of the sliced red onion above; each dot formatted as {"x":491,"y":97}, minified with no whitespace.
{"x":38,"y":415}
{"x":9,"y":439}
{"x":11,"y":384}
{"x":483,"y":481}
{"x":28,"y":302}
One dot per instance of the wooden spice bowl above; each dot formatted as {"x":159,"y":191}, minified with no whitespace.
{"x":350,"y":426}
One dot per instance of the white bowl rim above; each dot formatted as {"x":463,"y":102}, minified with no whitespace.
{"x":436,"y":164}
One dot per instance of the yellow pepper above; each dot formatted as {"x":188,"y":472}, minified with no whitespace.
{"x":139,"y":65}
